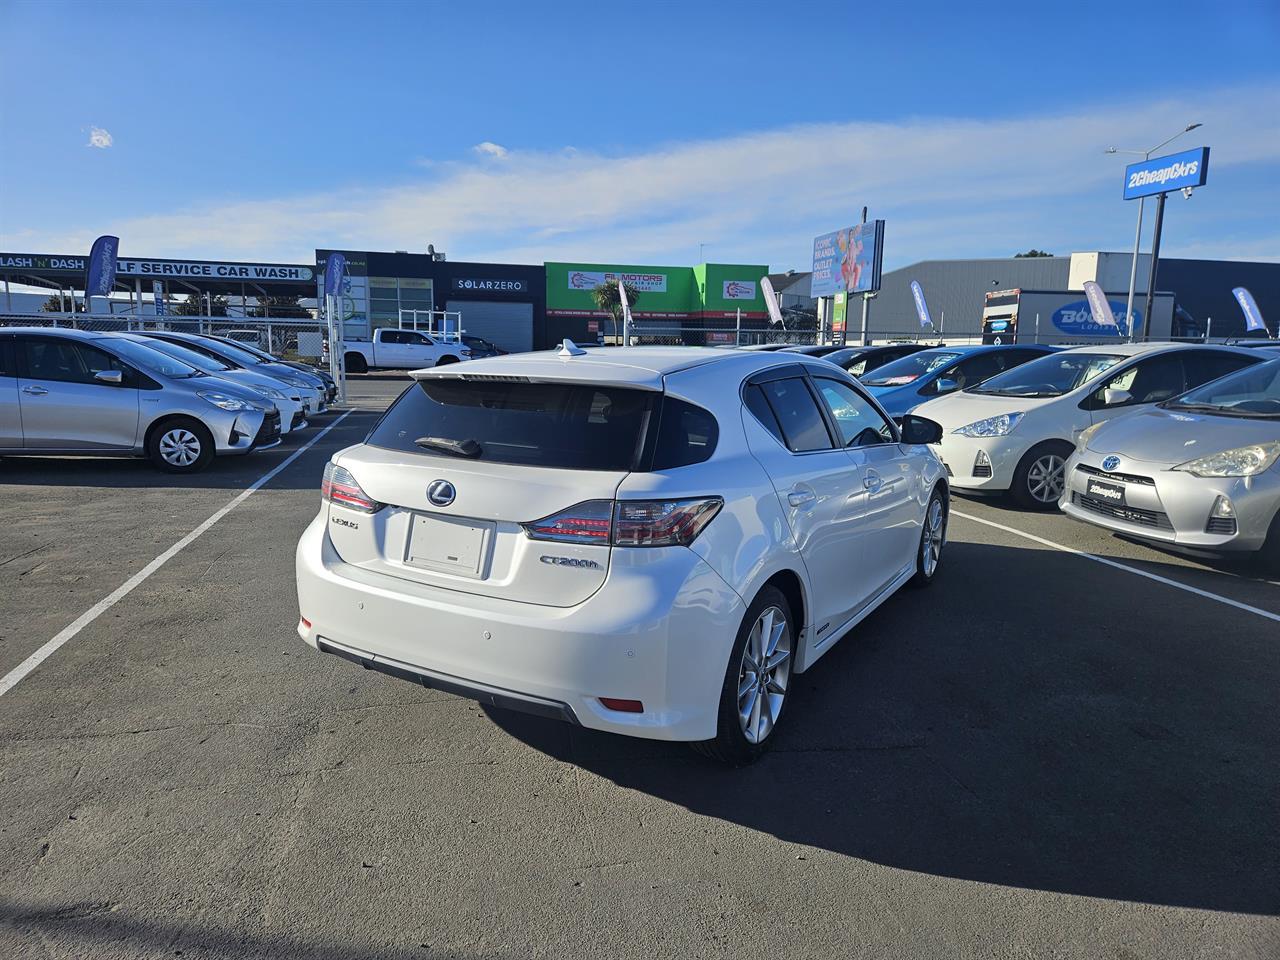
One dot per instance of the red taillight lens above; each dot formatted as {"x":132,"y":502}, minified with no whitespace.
{"x":662,"y":523}
{"x":629,"y":523}
{"x":587,"y":522}
{"x":340,"y":487}
{"x":622,"y":706}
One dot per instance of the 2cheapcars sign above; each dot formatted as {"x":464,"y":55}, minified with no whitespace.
{"x":641,"y":282}
{"x":1165,"y":174}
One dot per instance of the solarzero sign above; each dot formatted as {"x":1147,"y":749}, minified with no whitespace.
{"x":469,"y":285}
{"x":1166,"y":174}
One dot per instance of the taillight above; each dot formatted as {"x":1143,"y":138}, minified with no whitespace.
{"x":586,"y":522}
{"x":340,"y":487}
{"x":629,"y":523}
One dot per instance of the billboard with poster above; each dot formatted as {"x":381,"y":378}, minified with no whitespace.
{"x":848,"y":260}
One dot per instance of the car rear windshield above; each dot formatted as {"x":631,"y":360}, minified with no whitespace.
{"x":571,"y":426}
{"x":911,"y":368}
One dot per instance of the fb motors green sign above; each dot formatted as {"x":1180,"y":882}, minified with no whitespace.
{"x":711,"y":289}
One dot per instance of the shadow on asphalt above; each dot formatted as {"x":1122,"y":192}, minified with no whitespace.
{"x":95,"y":929}
{"x":229,"y":473}
{"x":1117,"y":750}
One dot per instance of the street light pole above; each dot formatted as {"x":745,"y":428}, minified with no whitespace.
{"x":1137,"y":235}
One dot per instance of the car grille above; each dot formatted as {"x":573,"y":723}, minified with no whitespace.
{"x":1143,"y":518}
{"x":1116,"y":477}
{"x":1224,"y":525}
{"x":270,"y":429}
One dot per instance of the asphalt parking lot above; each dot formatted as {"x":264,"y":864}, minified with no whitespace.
{"x":1041,"y":755}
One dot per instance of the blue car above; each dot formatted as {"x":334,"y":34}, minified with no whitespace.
{"x":912,"y":380}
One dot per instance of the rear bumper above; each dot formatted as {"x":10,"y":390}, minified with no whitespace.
{"x":659,"y":630}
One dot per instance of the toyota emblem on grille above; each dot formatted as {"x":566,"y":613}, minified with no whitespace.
{"x":441,"y":493}
{"x":1109,"y":464}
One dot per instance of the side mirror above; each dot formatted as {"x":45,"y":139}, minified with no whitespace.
{"x":917,"y":430}
{"x":1114,"y":398}
{"x":947,"y":385}
{"x":113,"y":377}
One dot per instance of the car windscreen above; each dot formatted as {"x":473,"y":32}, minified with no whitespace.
{"x":1050,"y":376}
{"x":909,"y":369}
{"x":234,"y":353}
{"x":152,"y":360}
{"x":1251,"y":392}
{"x":262,"y":355}
{"x":201,"y":361}
{"x":572,"y":426}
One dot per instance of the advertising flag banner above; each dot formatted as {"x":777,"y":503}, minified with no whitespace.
{"x":771,"y":302}
{"x":922,"y":308}
{"x":1098,"y":304}
{"x":626,"y":309}
{"x":334,"y":268}
{"x":157,"y":294}
{"x":101,"y":269}
{"x":1252,"y":315}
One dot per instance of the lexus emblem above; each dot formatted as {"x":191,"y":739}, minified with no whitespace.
{"x":1110,"y":463}
{"x":441,"y":493}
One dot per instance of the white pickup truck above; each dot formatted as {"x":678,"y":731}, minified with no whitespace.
{"x":400,"y":350}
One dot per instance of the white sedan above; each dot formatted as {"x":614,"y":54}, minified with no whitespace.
{"x":1015,"y":431}
{"x":648,"y":541}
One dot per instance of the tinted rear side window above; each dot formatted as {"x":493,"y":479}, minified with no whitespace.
{"x":686,"y":434}
{"x":802,"y":425}
{"x":568,"y":426}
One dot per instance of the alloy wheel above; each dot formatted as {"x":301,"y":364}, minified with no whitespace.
{"x":1046,"y":478}
{"x":180,"y":447}
{"x":764,"y":674}
{"x":934,"y":537}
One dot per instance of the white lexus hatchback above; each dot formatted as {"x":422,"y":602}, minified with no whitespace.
{"x":647,"y":541}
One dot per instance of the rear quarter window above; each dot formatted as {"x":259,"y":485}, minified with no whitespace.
{"x":687,"y":434}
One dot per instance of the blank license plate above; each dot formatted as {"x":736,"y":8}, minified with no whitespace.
{"x":448,"y":544}
{"x":1106,"y":492}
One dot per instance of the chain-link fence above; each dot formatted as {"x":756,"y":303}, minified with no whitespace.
{"x":643,"y":334}
{"x":290,"y":338}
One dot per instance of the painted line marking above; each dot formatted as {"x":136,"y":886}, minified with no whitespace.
{"x":18,"y":673}
{"x":1122,"y":566}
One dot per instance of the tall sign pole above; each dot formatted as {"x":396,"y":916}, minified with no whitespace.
{"x":1155,"y":265}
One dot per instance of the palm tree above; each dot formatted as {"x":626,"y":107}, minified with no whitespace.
{"x":607,"y":299}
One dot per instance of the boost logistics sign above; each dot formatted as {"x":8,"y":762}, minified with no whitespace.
{"x":1166,"y":174}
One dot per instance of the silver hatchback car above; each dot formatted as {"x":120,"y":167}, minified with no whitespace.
{"x":1200,"y":471}
{"x":83,"y":393}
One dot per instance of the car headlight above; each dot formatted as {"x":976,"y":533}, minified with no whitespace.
{"x":1086,"y":434}
{"x":991,"y":427}
{"x":226,"y":402}
{"x":271,"y":392}
{"x":1241,"y":462}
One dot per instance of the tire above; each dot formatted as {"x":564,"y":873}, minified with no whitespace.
{"x":933,"y":537}
{"x":447,"y":358}
{"x":733,"y":744}
{"x":1035,"y":486}
{"x":355,"y":363}
{"x":180,"y":445}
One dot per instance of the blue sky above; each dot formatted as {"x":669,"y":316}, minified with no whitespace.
{"x":628,"y":132}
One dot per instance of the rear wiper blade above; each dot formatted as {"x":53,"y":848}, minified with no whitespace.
{"x":459,"y":448}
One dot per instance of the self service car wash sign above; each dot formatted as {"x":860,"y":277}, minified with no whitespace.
{"x":1166,"y":174}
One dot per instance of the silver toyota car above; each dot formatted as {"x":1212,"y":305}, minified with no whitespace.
{"x":1198,"y":472}
{"x":83,"y":393}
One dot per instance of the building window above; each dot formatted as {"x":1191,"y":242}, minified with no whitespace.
{"x":388,"y":296}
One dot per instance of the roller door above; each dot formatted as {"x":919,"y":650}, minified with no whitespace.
{"x":509,"y":325}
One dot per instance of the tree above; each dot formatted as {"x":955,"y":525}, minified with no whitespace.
{"x":607,"y":299}
{"x":59,"y":304}
{"x":194,"y":306}
{"x":274,"y":307}
{"x":1033,"y":252}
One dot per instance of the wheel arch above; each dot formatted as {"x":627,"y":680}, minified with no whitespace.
{"x":167,"y":418}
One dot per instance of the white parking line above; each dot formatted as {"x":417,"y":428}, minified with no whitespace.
{"x":16,"y":675}
{"x":1122,"y":566}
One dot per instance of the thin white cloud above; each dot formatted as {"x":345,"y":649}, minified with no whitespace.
{"x":99,"y":138}
{"x":948,"y":187}
{"x":490,"y":149}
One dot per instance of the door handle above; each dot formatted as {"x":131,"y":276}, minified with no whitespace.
{"x":35,"y":391}
{"x":872,"y":482}
{"x":801,"y":498}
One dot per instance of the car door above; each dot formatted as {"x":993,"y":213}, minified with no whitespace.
{"x":10,"y":410}
{"x":890,"y":480}
{"x":1149,"y":380}
{"x":66,"y":404}
{"x":818,"y":485}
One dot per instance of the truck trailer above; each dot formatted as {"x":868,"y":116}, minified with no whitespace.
{"x":1064,"y":316}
